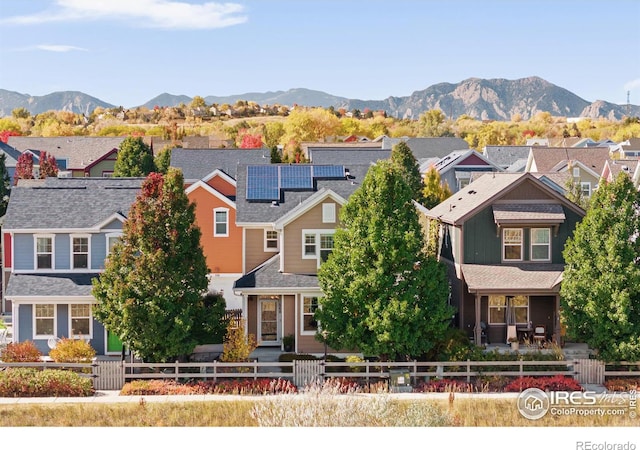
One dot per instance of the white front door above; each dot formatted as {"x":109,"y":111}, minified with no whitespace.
{"x":269,"y":320}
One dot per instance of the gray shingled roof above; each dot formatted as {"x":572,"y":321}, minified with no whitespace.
{"x":512,"y":277}
{"x":198,"y":163}
{"x":344,"y":156}
{"x":506,"y":155}
{"x":264,"y":212}
{"x":428,"y":147}
{"x":79,"y":150}
{"x":12,"y":154}
{"x":535,"y":212}
{"x":546,"y":158}
{"x":268,"y":275}
{"x":72,"y":203}
{"x":33,"y":285}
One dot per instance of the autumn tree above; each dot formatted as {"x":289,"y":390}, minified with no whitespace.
{"x":382,"y":295}
{"x":151,"y":293}
{"x":435,"y":192}
{"x":600,"y":291}
{"x":251,"y":141}
{"x":135,"y":159}
{"x":48,"y":166}
{"x":24,"y":168}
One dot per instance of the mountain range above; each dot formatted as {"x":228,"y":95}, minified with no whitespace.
{"x":486,"y":99}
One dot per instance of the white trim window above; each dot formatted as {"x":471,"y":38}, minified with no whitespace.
{"x":271,"y":241}
{"x":112,"y":239}
{"x":221,"y":222}
{"x":44,"y":246}
{"x":512,"y":243}
{"x":308,"y":310}
{"x":80,"y":323}
{"x":317,"y":244}
{"x":328,"y":213}
{"x":540,"y":244}
{"x":585,"y":189}
{"x":80,"y":256}
{"x":44,"y":321}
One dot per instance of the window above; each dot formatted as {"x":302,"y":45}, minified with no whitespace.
{"x":540,"y":244}
{"x":112,"y":239}
{"x":317,"y":244}
{"x":326,"y":246}
{"x":576,"y":172}
{"x":585,"y":188}
{"x":512,"y":244}
{"x":80,"y":320}
{"x":309,"y":307}
{"x":80,"y":252}
{"x":328,"y":213}
{"x":221,"y":222}
{"x":45,"y":320}
{"x":44,"y":252}
{"x":309,"y":245}
{"x":463,"y":183}
{"x":270,"y":241}
{"x":516,"y":306}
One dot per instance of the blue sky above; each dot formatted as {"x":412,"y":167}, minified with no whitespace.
{"x":126,"y":52}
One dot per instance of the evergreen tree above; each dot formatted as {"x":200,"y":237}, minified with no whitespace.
{"x":402,"y":157}
{"x":275,"y":156}
{"x":382,"y":294}
{"x":5,"y":184}
{"x":600,"y":290}
{"x":163,"y":160}
{"x":151,"y":291}
{"x":434,"y":191}
{"x":135,"y":159}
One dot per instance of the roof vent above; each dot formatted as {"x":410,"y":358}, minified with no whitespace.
{"x":274,"y":204}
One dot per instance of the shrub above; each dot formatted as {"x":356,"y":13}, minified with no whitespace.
{"x":355,"y":359}
{"x":622,"y":384}
{"x":555,"y":383}
{"x":444,"y":385}
{"x":21,"y":352}
{"x":72,"y":351}
{"x":263,"y":386}
{"x":30,"y":382}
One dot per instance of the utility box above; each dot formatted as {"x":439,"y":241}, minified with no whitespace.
{"x":400,"y":380}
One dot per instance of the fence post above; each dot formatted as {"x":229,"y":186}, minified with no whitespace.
{"x":521,"y":369}
{"x":177,"y":370}
{"x":215,"y":371}
{"x":468,"y":370}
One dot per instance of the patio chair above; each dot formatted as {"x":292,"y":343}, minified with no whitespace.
{"x":540,"y":335}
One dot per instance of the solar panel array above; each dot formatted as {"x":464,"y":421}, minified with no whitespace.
{"x":266,"y":182}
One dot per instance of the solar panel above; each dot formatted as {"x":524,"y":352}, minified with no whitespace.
{"x":328,"y":172}
{"x":296,"y":177}
{"x":262,"y":183}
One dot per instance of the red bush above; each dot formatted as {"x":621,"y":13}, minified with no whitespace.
{"x":21,"y":352}
{"x":555,"y":383}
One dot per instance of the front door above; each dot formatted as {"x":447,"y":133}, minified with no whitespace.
{"x":269,"y":320}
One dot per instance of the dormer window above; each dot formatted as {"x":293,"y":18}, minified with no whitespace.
{"x":80,"y":252}
{"x":540,"y":244}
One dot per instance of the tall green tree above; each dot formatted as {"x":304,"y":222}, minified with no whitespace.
{"x":5,"y":184}
{"x":435,"y":192}
{"x":404,"y":160}
{"x":135,"y":159}
{"x":151,"y":293}
{"x":600,"y":292}
{"x":163,"y":160}
{"x":382,"y":294}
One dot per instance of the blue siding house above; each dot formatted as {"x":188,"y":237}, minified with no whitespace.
{"x":57,"y":233}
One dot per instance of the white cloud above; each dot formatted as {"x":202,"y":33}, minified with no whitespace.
{"x":632,"y":85}
{"x":59,"y":48}
{"x":144,"y":13}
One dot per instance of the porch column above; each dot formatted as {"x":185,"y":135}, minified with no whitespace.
{"x":556,"y":323}
{"x":477,"y":330}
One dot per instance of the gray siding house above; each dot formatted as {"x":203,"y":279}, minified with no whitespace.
{"x":57,"y":233}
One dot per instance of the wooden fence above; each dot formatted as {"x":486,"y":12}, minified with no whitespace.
{"x":112,"y":375}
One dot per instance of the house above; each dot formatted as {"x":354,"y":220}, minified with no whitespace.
{"x":309,"y":148}
{"x":81,"y":156}
{"x":288,"y":214}
{"x":458,"y":167}
{"x":502,"y":238}
{"x":511,"y":158}
{"x":626,"y":149}
{"x":11,"y":158}
{"x":613,"y":167}
{"x":210,"y":182}
{"x":57,"y":233}
{"x":346,"y":156}
{"x":584,"y":164}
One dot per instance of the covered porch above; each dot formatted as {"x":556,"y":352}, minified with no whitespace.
{"x":503,"y":301}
